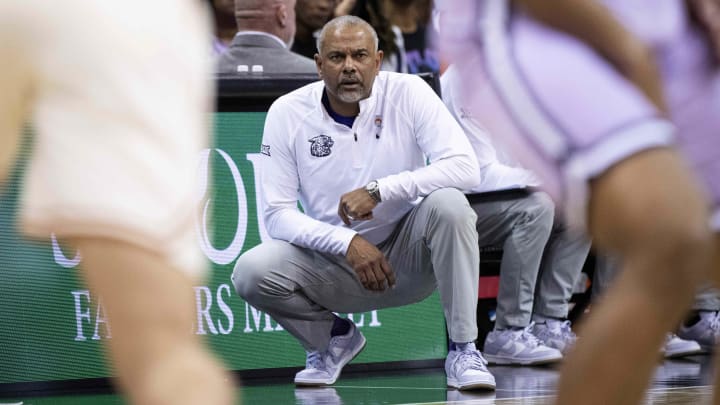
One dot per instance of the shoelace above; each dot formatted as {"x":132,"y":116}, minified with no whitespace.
{"x":527,"y":337}
{"x":315,"y":360}
{"x":471,"y":359}
{"x":715,"y":322}
{"x":565,"y":332}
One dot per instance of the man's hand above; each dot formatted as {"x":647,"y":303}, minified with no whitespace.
{"x":370,"y":264}
{"x":356,"y":205}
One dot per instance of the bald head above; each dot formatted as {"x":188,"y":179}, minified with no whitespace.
{"x":342,"y":23}
{"x":275,"y":17}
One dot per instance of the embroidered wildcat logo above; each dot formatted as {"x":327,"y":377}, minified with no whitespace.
{"x":320,"y":145}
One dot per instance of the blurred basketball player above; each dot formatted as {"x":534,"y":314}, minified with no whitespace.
{"x":117,"y":93}
{"x":580,"y":99}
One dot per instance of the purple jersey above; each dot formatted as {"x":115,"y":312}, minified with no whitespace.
{"x":564,"y":110}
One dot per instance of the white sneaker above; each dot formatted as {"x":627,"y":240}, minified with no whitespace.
{"x":706,"y":331}
{"x":466,"y":369}
{"x":677,"y":347}
{"x":323,"y":368}
{"x":471,"y":397}
{"x":518,"y":347}
{"x":556,"y":334}
{"x":317,"y":395}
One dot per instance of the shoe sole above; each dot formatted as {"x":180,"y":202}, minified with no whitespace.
{"x":486,"y":383}
{"x":491,"y":359}
{"x":684,"y":353}
{"x":315,"y":383}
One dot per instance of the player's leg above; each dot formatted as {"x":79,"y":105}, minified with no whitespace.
{"x":14,"y":97}
{"x":99,"y":114}
{"x":159,"y":360}
{"x":664,"y":261}
{"x":644,"y":203}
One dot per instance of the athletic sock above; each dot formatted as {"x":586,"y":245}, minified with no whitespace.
{"x":341,"y":326}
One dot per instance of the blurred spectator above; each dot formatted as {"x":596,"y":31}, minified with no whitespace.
{"x":311,"y":17}
{"x":412,"y":17}
{"x":391,"y":42}
{"x":223,"y":14}
{"x":265,"y":32}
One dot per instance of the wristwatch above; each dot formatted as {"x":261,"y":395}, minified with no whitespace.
{"x":373,"y":188}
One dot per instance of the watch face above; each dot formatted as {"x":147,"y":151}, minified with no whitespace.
{"x":374,"y":190}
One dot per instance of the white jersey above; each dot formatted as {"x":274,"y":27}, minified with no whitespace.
{"x":497,"y":170}
{"x":313,"y":159}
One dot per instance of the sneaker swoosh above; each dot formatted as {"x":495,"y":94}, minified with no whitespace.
{"x":518,"y":348}
{"x":336,"y":351}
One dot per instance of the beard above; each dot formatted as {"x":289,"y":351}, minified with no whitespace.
{"x":352,"y":96}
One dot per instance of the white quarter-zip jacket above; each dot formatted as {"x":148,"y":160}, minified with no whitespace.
{"x":313,"y":159}
{"x":497,"y":170}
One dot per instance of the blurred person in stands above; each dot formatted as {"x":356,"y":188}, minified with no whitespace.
{"x":311,"y":16}
{"x":541,"y":259}
{"x":383,"y":221}
{"x":376,"y":13}
{"x":117,"y":135}
{"x":266,"y":29}
{"x":412,"y":17}
{"x":580,"y":98}
{"x":223,"y":14}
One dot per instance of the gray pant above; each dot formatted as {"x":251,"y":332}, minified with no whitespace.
{"x":522,"y":224}
{"x":434,"y":246}
{"x":560,"y":268}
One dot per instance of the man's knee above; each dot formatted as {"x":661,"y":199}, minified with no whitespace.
{"x":540,"y":210}
{"x":450,"y":205}
{"x":253,"y":268}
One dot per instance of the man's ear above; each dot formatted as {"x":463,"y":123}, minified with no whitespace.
{"x":378,"y":60}
{"x":281,"y":15}
{"x":318,"y":64}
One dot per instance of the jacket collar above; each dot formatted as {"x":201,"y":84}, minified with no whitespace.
{"x":367,"y":105}
{"x":257,"y":39}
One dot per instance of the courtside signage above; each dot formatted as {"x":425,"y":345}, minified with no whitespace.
{"x":53,"y":327}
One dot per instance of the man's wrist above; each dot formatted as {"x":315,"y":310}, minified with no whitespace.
{"x":373,"y":188}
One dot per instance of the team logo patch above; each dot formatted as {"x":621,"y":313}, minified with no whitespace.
{"x":320,"y":145}
{"x":265,"y":149}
